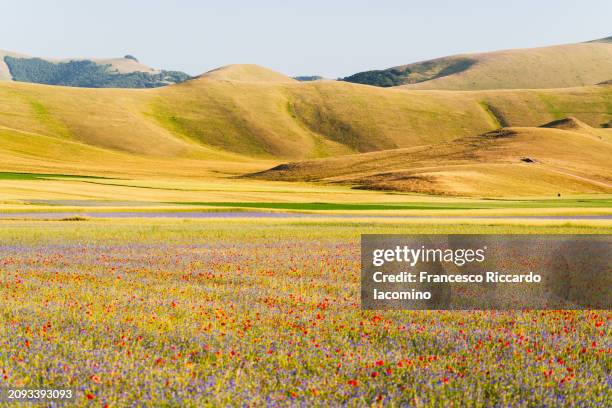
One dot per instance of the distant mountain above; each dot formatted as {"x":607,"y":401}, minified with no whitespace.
{"x":546,"y":67}
{"x":607,"y":39}
{"x":124,"y":72}
{"x":307,"y":78}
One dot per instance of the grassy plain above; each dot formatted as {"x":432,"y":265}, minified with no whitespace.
{"x":35,"y":192}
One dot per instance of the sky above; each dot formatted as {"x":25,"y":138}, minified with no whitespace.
{"x":307,"y":37}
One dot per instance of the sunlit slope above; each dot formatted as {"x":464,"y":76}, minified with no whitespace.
{"x":255,"y":118}
{"x":305,"y":120}
{"x":241,"y":109}
{"x":285,"y":118}
{"x":35,"y":153}
{"x":566,"y":157}
{"x":547,"y":67}
{"x":246,"y":73}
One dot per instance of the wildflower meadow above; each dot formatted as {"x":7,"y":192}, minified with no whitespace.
{"x":230,"y":313}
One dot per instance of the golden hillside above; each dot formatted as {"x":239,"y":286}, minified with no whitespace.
{"x":546,"y":67}
{"x":565,"y":156}
{"x":558,"y":66}
{"x":241,"y":119}
{"x":276,"y":119}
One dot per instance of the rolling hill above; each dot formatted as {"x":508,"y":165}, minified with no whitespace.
{"x":126,"y":72}
{"x":547,"y":67}
{"x":283,"y":118}
{"x":244,"y":118}
{"x":565,"y":156}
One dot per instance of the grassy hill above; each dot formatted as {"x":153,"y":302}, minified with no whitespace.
{"x":124,"y":72}
{"x":243,"y":119}
{"x":289,"y":119}
{"x":546,"y":67}
{"x":565,"y":156}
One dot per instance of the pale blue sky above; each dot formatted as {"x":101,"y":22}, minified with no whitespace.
{"x":308,"y":37}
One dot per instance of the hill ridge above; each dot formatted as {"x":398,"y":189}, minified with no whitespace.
{"x":556,"y":66}
{"x":124,"y":72}
{"x":246,"y":73}
{"x":507,"y":161}
{"x":605,"y":39}
{"x":569,"y":123}
{"x":233,"y":127}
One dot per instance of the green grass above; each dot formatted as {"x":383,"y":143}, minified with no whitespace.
{"x":496,"y":117}
{"x":570,"y":203}
{"x":42,"y":176}
{"x":330,"y":206}
{"x":552,"y":107}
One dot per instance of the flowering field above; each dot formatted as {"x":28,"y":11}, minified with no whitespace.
{"x":197,"y":313}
